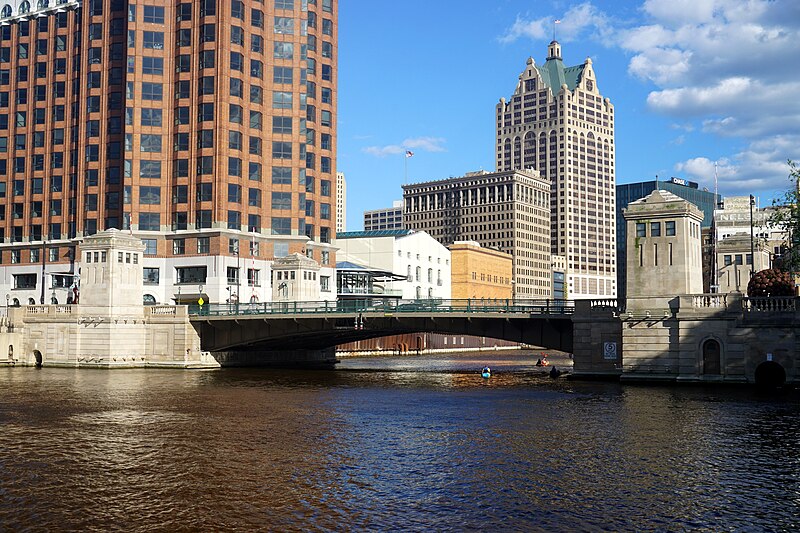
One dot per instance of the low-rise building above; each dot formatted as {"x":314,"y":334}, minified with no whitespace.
{"x":479,"y":272}
{"x":735,"y":262}
{"x":424,"y":263}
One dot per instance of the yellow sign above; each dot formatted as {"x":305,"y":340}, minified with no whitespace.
{"x":201,"y":301}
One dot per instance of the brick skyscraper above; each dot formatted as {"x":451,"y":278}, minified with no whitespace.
{"x":199,"y":126}
{"x":558,"y":123}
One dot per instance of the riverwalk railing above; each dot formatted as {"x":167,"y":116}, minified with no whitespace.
{"x":542,"y":307}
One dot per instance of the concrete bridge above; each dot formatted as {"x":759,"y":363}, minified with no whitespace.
{"x":266,"y":333}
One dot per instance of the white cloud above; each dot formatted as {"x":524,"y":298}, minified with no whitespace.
{"x":574,"y":22}
{"x":761,"y":166}
{"x":725,"y":66}
{"x":425,"y":144}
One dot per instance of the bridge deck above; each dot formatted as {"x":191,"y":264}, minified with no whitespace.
{"x":348,"y":308}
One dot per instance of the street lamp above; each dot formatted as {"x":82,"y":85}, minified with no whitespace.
{"x":752,"y":241}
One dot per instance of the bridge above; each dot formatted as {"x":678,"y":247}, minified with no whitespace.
{"x":305,"y":327}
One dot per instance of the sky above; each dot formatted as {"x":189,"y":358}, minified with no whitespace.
{"x":694,"y":83}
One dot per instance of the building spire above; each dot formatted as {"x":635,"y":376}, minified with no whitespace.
{"x":554,"y":50}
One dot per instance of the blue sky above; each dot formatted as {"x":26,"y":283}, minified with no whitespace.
{"x":693,"y":82}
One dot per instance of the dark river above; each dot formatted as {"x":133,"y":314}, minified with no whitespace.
{"x":404,"y":444}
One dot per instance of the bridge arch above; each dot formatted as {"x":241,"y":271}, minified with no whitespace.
{"x":770,"y":374}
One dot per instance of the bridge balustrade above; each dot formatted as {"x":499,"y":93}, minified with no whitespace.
{"x":770,"y":304}
{"x":557,"y":307}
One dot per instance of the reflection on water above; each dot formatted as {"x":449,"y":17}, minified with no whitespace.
{"x":404,"y":443}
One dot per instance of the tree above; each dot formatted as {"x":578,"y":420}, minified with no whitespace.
{"x":771,"y":282}
{"x":787,"y":216}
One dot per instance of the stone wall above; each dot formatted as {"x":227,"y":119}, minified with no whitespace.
{"x":93,"y":336}
{"x":712,"y":338}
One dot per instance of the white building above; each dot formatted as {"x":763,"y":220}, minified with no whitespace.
{"x":558,"y":122}
{"x":734,"y":218}
{"x":416,"y":255}
{"x":341,"y":203}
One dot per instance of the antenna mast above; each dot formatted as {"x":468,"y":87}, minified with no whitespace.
{"x":714,"y":273}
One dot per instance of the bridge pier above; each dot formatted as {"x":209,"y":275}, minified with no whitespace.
{"x":298,"y":358}
{"x":597,"y":340}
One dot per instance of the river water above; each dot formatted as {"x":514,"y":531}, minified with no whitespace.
{"x":405,"y":444}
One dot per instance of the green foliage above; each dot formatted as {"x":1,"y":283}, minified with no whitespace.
{"x":771,"y":282}
{"x":788,"y":216}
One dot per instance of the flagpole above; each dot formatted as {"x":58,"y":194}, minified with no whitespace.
{"x":405,"y":169}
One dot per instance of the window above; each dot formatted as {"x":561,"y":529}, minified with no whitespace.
{"x":153,"y":65}
{"x":150,"y":275}
{"x":282,"y":125}
{"x":237,"y":61}
{"x":281,"y":150}
{"x":282,"y":75}
{"x":237,"y":35}
{"x":236,"y":87}
{"x":235,"y":114}
{"x":728,"y":259}
{"x":655,"y":229}
{"x":284,"y":26}
{"x":151,"y":117}
{"x":234,"y":193}
{"x":641,"y":229}
{"x":152,"y":91}
{"x":208,"y":33}
{"x":203,"y":245}
{"x":149,"y":195}
{"x":670,"y":228}
{"x":281,"y":100}
{"x":234,"y":140}
{"x":281,"y":226}
{"x":281,"y":200}
{"x":150,"y":143}
{"x":195,"y":274}
{"x":149,"y":221}
{"x":256,"y":44}
{"x":153,"y":15}
{"x":283,"y":50}
{"x":737,"y":259}
{"x":256,"y":69}
{"x":150,"y":169}
{"x":204,"y":192}
{"x":281,"y":175}
{"x":234,"y":220}
{"x":154,"y":40}
{"x":178,"y":246}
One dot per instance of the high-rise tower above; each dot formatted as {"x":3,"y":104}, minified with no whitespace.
{"x":558,"y":123}
{"x":198,"y":125}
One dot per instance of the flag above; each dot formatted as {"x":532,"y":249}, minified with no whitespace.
{"x":558,"y":21}
{"x":409,"y":153}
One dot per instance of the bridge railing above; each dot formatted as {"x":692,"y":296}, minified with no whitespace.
{"x":388,"y":307}
{"x":775,"y":304}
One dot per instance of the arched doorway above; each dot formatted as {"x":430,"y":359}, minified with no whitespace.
{"x":770,"y":374}
{"x":37,"y":355}
{"x":711,"y":357}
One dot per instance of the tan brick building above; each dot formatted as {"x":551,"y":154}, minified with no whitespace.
{"x":479,"y":272}
{"x":196,"y":125}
